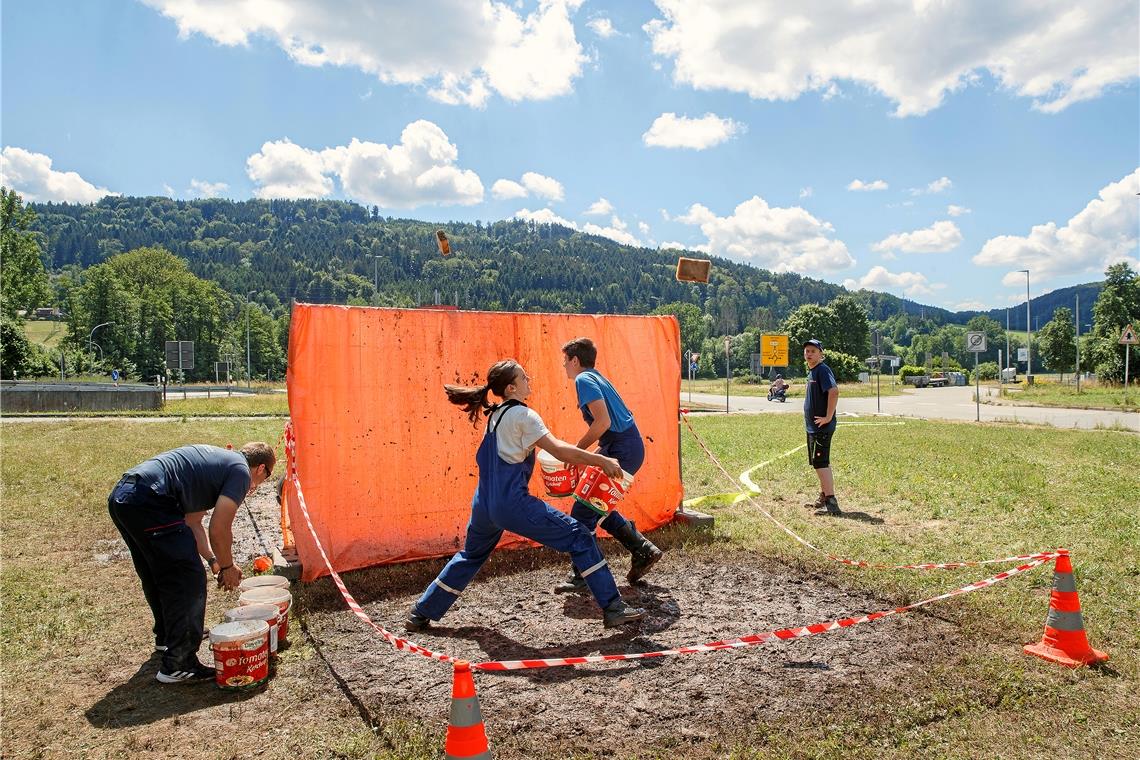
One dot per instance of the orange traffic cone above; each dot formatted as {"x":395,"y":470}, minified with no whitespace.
{"x":466,"y":738}
{"x":1064,"y":640}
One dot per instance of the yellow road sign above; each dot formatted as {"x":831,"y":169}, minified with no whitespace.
{"x":774,"y":350}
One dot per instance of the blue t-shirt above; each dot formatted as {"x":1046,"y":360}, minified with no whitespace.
{"x":591,"y":386}
{"x":196,"y":475}
{"x":819,"y":381}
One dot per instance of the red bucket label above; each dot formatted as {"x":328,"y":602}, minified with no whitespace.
{"x":560,"y":483}
{"x":242,"y":664}
{"x":598,"y":491}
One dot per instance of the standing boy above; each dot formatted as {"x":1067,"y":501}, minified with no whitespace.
{"x":819,"y":418}
{"x":613,"y":429}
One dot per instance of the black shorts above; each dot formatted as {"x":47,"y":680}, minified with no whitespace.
{"x":819,"y":449}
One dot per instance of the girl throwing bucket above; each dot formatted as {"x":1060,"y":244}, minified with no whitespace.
{"x":502,"y":501}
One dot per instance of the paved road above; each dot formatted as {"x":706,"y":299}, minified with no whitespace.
{"x":940,"y":404}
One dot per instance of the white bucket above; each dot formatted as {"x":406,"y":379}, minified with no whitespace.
{"x":241,"y":653}
{"x":271,"y":595}
{"x":266,"y":612}
{"x":558,"y":477}
{"x":260,"y":581}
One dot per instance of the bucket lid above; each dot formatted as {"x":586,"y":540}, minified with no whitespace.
{"x":265,"y":595}
{"x":238,"y":631}
{"x":257,"y":581}
{"x":266,"y":612}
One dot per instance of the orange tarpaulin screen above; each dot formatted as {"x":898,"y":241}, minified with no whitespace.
{"x":387,"y":464}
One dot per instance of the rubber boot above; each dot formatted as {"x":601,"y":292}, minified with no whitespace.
{"x":645,"y":553}
{"x":574,"y":584}
{"x":620,"y":613}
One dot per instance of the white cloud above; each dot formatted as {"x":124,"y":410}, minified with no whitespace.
{"x":420,"y":170}
{"x":913,"y":52}
{"x":939,"y":237}
{"x":933,"y":188}
{"x":30,"y":174}
{"x":600,"y":207}
{"x":505,"y":188}
{"x":673,"y":245}
{"x":806,"y":192}
{"x":168,"y":190}
{"x":602,"y":27}
{"x":643,"y":228}
{"x":780,"y":239}
{"x":1104,"y":232}
{"x":282,"y":169}
{"x":543,"y":186}
{"x":616,"y":231}
{"x":203,"y":189}
{"x":460,"y":51}
{"x":861,"y":186}
{"x":953,"y":210}
{"x":672,"y":131}
{"x":911,"y":284}
{"x":970,"y":306}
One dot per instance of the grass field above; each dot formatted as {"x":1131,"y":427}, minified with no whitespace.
{"x":1092,"y":396}
{"x":848,"y":390}
{"x":73,"y":628}
{"x":47,"y":333}
{"x":244,"y":405}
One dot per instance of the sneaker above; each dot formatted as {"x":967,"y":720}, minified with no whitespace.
{"x":195,"y":674}
{"x":574,"y":584}
{"x":829,"y":507}
{"x":416,"y":622}
{"x":818,"y":503}
{"x":620,"y":613}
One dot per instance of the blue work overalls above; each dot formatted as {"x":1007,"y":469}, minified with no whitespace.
{"x":502,"y":502}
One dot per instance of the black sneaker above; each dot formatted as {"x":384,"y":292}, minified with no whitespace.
{"x":620,"y":613}
{"x":829,"y":507}
{"x":194,"y":674}
{"x":574,"y":584}
{"x":416,"y":622}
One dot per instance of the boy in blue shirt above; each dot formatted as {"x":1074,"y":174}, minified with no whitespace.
{"x":613,"y":429}
{"x":819,"y":419}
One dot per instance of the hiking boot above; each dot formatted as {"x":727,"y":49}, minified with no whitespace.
{"x":574,"y":584}
{"x":645,"y":553}
{"x":620,"y":613}
{"x":829,"y":507}
{"x":196,"y":673}
{"x":416,"y":622}
{"x":818,"y":503}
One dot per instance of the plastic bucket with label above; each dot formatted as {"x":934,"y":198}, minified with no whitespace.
{"x":241,"y":653}
{"x":266,"y":612}
{"x":558,"y":477}
{"x":271,"y":595}
{"x":598,"y":491}
{"x":261,"y":581}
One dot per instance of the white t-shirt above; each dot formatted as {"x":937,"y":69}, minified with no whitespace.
{"x":517,"y":433}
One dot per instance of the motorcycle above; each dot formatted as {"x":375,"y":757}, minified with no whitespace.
{"x":780,"y":395}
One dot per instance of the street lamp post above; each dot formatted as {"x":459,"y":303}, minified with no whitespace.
{"x":90,"y":337}
{"x":375,"y":271}
{"x":1028,"y":332}
{"x":248,"y":363}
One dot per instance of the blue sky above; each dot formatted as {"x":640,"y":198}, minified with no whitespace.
{"x":928,"y":149}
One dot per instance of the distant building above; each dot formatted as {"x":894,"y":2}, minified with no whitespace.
{"x":48,"y":312}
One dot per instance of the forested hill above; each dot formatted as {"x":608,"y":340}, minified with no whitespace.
{"x":331,"y":252}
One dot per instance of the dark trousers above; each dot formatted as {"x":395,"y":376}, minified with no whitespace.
{"x":168,"y":564}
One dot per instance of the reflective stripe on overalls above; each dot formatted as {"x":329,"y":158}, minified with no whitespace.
{"x":502,"y":502}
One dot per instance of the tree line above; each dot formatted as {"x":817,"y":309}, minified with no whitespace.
{"x":156,"y":269}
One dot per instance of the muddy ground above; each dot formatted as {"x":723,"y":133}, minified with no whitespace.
{"x":694,"y":706}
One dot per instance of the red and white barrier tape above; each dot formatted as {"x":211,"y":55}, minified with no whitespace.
{"x":751,"y":640}
{"x":756,"y":639}
{"x":1044,"y":555}
{"x":391,"y":638}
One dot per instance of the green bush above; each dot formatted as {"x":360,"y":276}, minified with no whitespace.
{"x":987,"y":371}
{"x":910,"y":370}
{"x":845,"y":367}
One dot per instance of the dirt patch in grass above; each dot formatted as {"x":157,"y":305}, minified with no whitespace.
{"x":688,"y":705}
